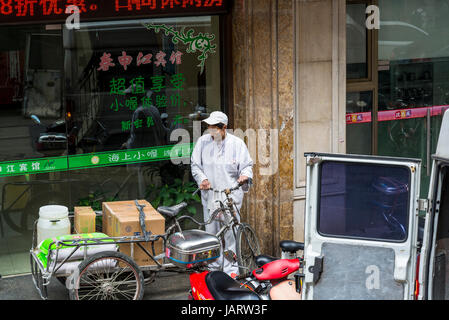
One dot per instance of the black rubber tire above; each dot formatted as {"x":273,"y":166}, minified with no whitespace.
{"x":118,"y":256}
{"x":247,"y":247}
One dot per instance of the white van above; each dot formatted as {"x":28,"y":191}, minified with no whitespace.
{"x":363,"y":236}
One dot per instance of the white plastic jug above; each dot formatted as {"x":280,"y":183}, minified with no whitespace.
{"x":53,"y":222}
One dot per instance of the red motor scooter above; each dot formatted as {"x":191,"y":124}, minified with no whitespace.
{"x":196,"y":249}
{"x":268,"y":282}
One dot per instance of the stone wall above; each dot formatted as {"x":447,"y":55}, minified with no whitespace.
{"x":263,"y":46}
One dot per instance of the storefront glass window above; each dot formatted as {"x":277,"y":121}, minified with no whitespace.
{"x":130,"y":85}
{"x":413,"y":51}
{"x":87,"y":115}
{"x":359,"y":107}
{"x":356,"y":41}
{"x":33,"y":143}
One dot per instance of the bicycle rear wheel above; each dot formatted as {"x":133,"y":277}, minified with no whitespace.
{"x":247,"y":248}
{"x":108,"y":275}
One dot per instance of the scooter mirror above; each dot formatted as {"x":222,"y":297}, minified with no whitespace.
{"x":35,"y":119}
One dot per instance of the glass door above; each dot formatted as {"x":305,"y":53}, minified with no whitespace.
{"x":413,"y":82}
{"x":397,"y":79}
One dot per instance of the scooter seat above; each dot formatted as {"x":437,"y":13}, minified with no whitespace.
{"x":223,"y":287}
{"x":291,"y":246}
{"x":173,"y":211}
{"x":264,"y":259}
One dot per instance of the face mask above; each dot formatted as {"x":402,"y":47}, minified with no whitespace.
{"x":216,"y":134}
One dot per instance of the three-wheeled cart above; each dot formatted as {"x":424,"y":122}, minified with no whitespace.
{"x":107,"y":274}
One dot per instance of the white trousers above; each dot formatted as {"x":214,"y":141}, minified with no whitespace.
{"x":230,"y":244}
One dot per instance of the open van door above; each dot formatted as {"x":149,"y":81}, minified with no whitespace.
{"x":434,"y":266}
{"x":361,"y":226}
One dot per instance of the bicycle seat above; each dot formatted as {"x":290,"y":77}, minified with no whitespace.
{"x":223,"y":287}
{"x":264,"y":259}
{"x":291,"y":246}
{"x":172,"y":211}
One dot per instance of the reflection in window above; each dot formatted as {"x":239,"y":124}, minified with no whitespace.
{"x":356,"y":42}
{"x":128,"y":88}
{"x":364,"y":201}
{"x":413,"y":54}
{"x":359,"y":107}
{"x":413,"y":78}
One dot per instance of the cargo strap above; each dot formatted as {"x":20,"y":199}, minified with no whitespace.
{"x":145,"y":233}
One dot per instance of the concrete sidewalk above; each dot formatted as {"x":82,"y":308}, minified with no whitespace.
{"x":167,"y":286}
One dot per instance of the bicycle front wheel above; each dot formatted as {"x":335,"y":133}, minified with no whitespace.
{"x":108,"y":275}
{"x":247,"y":248}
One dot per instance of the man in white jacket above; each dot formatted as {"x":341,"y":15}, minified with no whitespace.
{"x":220,"y":160}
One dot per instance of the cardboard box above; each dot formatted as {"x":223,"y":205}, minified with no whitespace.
{"x":122,"y":219}
{"x":114,"y":208}
{"x":84,"y":220}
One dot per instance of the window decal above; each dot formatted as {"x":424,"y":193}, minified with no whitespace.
{"x":201,"y":42}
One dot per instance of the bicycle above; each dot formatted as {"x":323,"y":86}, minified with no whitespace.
{"x":247,"y":243}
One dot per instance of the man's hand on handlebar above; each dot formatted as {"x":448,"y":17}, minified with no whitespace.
{"x":242,"y":180}
{"x":205,"y":185}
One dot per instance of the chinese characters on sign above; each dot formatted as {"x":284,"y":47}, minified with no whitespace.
{"x":132,"y":5}
{"x":158,"y":86}
{"x":30,"y":10}
{"x":130,"y":156}
{"x":106,"y":61}
{"x":139,"y":123}
{"x":75,"y":162}
{"x":118,"y":87}
{"x":33,"y":166}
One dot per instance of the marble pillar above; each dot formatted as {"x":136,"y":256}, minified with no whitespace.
{"x":263,"y":54}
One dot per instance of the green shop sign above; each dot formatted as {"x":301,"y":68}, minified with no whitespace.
{"x":93,"y":160}
{"x":16,"y":168}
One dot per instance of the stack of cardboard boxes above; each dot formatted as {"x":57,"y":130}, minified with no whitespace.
{"x":121,"y":218}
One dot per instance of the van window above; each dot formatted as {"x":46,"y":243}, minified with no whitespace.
{"x":364,"y":201}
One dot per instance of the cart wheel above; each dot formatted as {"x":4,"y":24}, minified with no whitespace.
{"x":247,"y":247}
{"x":108,"y":275}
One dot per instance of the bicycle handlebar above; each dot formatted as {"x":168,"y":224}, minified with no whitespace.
{"x":212,"y":217}
{"x":249,"y":182}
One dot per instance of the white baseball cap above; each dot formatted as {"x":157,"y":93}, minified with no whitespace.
{"x":217,"y":117}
